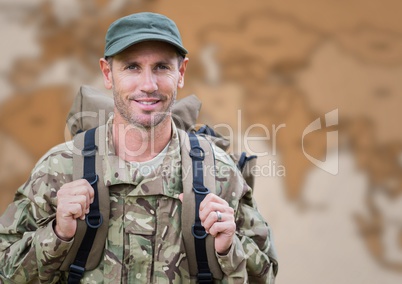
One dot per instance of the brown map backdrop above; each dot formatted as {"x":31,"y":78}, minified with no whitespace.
{"x":265,"y":70}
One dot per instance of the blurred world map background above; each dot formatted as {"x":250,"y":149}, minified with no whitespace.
{"x":265,"y":71}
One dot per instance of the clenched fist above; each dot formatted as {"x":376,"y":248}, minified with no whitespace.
{"x":217,"y":217}
{"x":73,"y":201}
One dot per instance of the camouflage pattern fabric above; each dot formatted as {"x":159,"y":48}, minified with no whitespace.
{"x":144,"y":243}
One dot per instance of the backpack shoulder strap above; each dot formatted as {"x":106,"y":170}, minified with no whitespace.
{"x":198,"y":180}
{"x":89,"y":240}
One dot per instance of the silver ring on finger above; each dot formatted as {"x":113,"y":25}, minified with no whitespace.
{"x":219,"y":216}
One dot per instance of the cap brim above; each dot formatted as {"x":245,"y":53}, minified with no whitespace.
{"x":126,"y":42}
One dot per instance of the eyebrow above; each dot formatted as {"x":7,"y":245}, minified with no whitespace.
{"x":165,"y":62}
{"x":159,"y":62}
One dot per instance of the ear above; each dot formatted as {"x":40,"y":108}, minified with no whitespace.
{"x":182,"y":70}
{"x":106,"y":72}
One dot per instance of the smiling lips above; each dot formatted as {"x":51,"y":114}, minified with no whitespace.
{"x":147,"y":104}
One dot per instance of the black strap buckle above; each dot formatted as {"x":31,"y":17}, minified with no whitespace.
{"x":198,"y":232}
{"x":92,"y":179}
{"x":76,"y":271}
{"x":204,"y":277}
{"x":200,"y":189}
{"x":94,"y":221}
{"x":90,"y":151}
{"x":197,"y":153}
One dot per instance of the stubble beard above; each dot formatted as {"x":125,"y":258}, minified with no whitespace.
{"x":135,"y":120}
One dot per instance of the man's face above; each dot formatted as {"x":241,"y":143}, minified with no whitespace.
{"x":144,"y":79}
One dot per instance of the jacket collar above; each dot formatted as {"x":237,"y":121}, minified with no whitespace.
{"x":165,"y":180}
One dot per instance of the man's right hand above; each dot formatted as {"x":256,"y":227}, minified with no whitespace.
{"x":73,"y":201}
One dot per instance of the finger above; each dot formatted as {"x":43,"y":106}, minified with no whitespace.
{"x":77,"y":194}
{"x":181,"y":197}
{"x":73,"y":201}
{"x":212,"y":198}
{"x":227,"y":228}
{"x":76,"y":183}
{"x":81,"y":189}
{"x":82,"y":200}
{"x":212,"y":219}
{"x":84,"y":190}
{"x":209,"y":211}
{"x":212,"y":207}
{"x":73,"y":210}
{"x":79,"y":213}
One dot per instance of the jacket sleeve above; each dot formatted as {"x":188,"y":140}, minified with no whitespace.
{"x":28,"y":251}
{"x":252,"y":257}
{"x":257,"y":241}
{"x":29,"y":248}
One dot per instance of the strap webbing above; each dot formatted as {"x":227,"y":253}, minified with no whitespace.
{"x":243,"y":160}
{"x":94,"y":217}
{"x":197,"y":155}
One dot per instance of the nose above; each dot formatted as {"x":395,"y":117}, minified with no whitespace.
{"x":148,"y":82}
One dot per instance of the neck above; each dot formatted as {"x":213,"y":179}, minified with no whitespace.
{"x":136,"y":144}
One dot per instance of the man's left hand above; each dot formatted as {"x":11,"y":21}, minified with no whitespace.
{"x":217,"y":217}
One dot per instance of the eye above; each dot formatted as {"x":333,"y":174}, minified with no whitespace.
{"x":132,"y":67}
{"x":163,"y":67}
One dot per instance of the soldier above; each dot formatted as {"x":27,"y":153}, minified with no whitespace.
{"x":144,"y":65}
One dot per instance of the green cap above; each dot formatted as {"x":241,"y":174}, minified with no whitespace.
{"x":140,"y":27}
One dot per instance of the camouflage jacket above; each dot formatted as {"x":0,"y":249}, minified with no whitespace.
{"x":144,"y":243}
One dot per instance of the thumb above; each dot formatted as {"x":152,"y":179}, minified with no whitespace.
{"x":181,"y":197}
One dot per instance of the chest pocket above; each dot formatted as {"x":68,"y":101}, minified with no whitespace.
{"x":139,"y":215}
{"x":140,"y":228}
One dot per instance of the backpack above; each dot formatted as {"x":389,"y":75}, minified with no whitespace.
{"x":86,"y":122}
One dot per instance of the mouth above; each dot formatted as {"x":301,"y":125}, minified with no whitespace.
{"x":147,"y":103}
